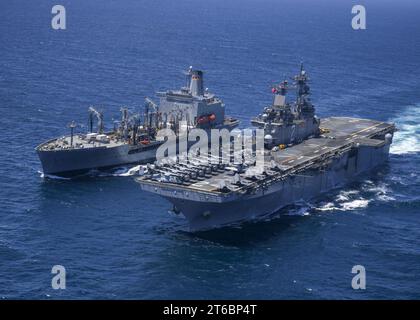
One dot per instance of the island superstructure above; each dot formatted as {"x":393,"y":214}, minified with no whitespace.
{"x":134,"y":139}
{"x":304,"y":157}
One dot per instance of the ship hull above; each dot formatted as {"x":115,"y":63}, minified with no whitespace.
{"x":73,"y":162}
{"x":219,"y":212}
{"x":78,"y":161}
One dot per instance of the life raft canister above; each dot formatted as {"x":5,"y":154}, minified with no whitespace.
{"x":145,"y":141}
{"x":207,"y":118}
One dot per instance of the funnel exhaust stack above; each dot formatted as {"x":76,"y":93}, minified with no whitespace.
{"x":196,"y":84}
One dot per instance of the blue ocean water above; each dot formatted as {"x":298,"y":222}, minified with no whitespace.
{"x":116,"y":241}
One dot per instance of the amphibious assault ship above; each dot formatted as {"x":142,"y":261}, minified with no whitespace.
{"x":304,"y":156}
{"x":134,"y":139}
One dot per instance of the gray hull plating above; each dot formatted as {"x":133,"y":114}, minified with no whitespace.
{"x":304,"y":156}
{"x":208,"y":213}
{"x":70,"y":162}
{"x":191,"y":106}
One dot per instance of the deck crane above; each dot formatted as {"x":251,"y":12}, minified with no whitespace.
{"x":93,"y":112}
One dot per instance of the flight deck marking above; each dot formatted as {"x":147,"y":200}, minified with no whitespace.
{"x":287,"y":160}
{"x":365,"y":129}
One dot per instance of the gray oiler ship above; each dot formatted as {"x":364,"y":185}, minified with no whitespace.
{"x":304,"y":157}
{"x":134,"y":139}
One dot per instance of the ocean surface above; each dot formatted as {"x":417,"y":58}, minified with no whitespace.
{"x":116,"y":241}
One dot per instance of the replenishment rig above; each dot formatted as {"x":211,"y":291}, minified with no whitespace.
{"x":304,"y":156}
{"x":134,"y":140}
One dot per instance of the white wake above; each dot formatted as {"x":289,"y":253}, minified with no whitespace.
{"x":118,"y":172}
{"x":349,"y":200}
{"x":50,"y":176}
{"x":407,"y":138}
{"x":134,"y":171}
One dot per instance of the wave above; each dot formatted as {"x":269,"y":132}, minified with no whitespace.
{"x":407,"y":138}
{"x":345,"y":206}
{"x":51,"y":176}
{"x":379,"y":191}
{"x":348,"y":199}
{"x":301,"y":208}
{"x":131,"y":171}
{"x":94,"y":173}
{"x":125,"y":171}
{"x":355,"y":199}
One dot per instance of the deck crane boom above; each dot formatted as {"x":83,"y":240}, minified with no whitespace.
{"x":99,"y":116}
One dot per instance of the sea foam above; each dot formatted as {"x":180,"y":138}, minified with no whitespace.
{"x":407,"y":138}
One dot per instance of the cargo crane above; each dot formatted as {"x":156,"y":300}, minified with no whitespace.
{"x":133,"y":141}
{"x":100,"y":117}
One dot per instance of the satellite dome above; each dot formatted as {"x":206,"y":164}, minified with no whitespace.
{"x":268,"y":137}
